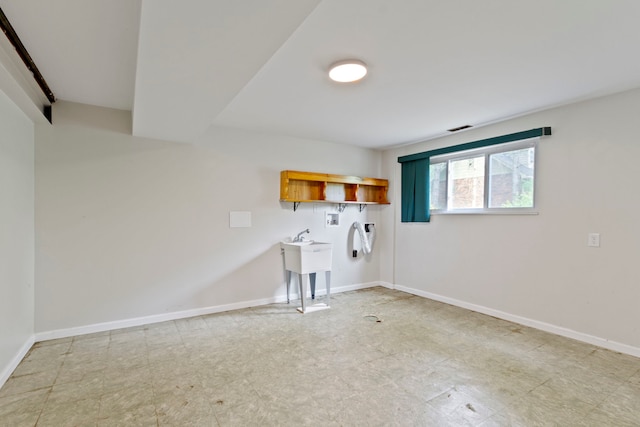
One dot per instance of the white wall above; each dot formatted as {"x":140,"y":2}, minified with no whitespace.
{"x":16,"y":235}
{"x":129,"y":227}
{"x":538,"y":269}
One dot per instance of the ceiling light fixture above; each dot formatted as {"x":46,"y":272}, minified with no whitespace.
{"x":347,"y":71}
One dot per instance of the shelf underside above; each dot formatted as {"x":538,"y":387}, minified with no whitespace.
{"x":352,"y":202}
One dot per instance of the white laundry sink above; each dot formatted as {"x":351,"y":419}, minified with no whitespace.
{"x":307,"y":256}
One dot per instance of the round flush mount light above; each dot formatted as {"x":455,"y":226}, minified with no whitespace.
{"x":347,"y":71}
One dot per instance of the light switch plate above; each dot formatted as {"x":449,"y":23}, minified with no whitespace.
{"x":239,"y":219}
{"x":593,"y":240}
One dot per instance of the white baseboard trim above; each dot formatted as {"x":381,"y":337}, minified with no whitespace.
{"x":320,"y":290}
{"x":348,"y":288}
{"x":145,"y":320}
{"x":543,"y":326}
{"x":139,"y":321}
{"x":387,"y":285}
{"x":13,"y":364}
{"x":157,"y":318}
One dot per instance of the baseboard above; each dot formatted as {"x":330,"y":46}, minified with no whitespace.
{"x":157,"y":318}
{"x":139,"y":321}
{"x":145,"y":320}
{"x":387,"y":285}
{"x":13,"y":364}
{"x":543,"y":326}
{"x":348,"y":288}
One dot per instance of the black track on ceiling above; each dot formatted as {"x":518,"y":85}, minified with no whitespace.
{"x":8,"y":30}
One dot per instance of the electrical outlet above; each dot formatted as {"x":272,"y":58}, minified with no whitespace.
{"x":355,"y":253}
{"x":593,"y":240}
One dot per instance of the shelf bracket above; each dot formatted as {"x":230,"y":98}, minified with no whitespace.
{"x":362,"y":207}
{"x":295,"y":206}
{"x":341,"y":207}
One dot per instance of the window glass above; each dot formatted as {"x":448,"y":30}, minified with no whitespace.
{"x":438,"y":185}
{"x":511,"y":179}
{"x":466,"y":183}
{"x":496,"y":178}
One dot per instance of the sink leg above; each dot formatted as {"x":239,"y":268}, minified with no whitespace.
{"x":312,"y":277}
{"x":303,"y":279}
{"x":287,"y":278}
{"x":328,"y":280}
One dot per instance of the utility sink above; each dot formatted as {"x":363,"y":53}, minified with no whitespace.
{"x":307,"y":256}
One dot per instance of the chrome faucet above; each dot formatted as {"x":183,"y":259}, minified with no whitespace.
{"x":299,"y":237}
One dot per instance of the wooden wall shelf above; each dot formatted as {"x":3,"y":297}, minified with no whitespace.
{"x":312,"y":187}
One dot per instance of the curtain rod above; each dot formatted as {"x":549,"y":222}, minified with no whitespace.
{"x":532,"y":133}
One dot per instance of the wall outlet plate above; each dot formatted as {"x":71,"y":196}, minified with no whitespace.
{"x":593,"y":240}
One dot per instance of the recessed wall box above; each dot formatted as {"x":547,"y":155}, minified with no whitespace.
{"x":332,"y":219}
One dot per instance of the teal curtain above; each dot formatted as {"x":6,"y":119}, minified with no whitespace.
{"x":415,"y":172}
{"x":415,"y":191}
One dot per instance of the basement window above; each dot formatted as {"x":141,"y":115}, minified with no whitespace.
{"x":492,"y":175}
{"x":495,"y":179}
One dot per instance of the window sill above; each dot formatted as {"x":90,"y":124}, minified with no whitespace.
{"x":487,"y":212}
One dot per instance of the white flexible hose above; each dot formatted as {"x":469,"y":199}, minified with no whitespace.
{"x":366,"y":239}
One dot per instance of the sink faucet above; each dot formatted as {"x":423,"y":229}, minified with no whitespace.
{"x":299,"y":237}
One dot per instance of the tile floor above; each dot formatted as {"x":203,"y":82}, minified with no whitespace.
{"x":425,"y":364}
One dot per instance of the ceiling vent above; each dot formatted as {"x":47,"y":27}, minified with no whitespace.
{"x":459,"y":128}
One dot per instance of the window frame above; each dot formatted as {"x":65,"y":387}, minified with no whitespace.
{"x":487,"y":152}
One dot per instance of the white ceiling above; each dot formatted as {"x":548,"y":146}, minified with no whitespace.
{"x":181,"y":67}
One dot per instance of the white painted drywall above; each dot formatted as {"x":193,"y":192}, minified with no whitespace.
{"x":16,"y":235}
{"x":129,"y":227}
{"x":539,"y":267}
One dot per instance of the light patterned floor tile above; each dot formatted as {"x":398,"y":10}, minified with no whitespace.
{"x":423,"y":364}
